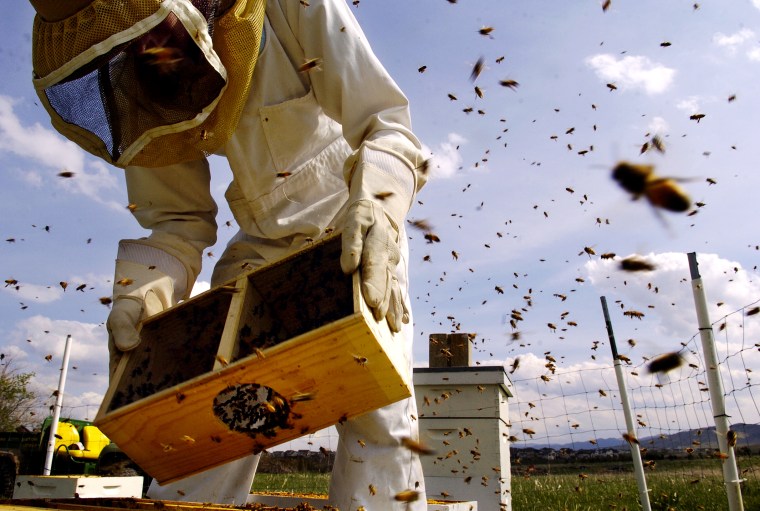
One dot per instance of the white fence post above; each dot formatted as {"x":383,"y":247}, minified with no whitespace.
{"x":57,"y":409}
{"x":717,"y":401}
{"x":638,"y":466}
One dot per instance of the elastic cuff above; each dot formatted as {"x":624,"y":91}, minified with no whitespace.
{"x":391,"y":165}
{"x":151,"y":256}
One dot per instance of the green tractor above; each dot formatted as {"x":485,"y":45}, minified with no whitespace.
{"x":80,"y":449}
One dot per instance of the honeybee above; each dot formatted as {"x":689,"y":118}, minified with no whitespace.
{"x":477,"y":69}
{"x":407,"y":496}
{"x":164,"y":58}
{"x":383,"y":195}
{"x":665,"y":363}
{"x":416,"y":446}
{"x":310,"y":64}
{"x":631,"y":439}
{"x":661,"y":192}
{"x":635,"y":263}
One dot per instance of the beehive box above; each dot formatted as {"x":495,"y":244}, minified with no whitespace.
{"x":283,"y":351}
{"x":76,"y":486}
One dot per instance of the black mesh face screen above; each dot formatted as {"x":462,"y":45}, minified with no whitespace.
{"x":161,"y":78}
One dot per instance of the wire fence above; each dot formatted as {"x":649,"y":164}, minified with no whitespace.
{"x":575,"y":415}
{"x":572,"y":416}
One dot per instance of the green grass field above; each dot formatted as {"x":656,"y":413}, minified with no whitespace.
{"x":676,"y":486}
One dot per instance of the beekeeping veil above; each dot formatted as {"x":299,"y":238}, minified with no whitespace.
{"x":148,"y":82}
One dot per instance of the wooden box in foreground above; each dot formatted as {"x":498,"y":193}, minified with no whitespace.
{"x":286,"y":350}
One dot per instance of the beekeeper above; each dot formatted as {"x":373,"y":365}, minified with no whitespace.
{"x":318,"y":138}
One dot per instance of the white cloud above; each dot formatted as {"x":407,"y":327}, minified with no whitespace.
{"x":665,"y":295}
{"x":37,"y":337}
{"x":446,"y":159}
{"x":45,"y":147}
{"x":658,"y":125}
{"x":690,"y":104}
{"x":733,"y":41}
{"x":754,"y":54}
{"x":30,"y":177}
{"x":756,"y":3}
{"x":632,"y":72}
{"x":34,"y":292}
{"x":199,"y":287}
{"x":48,"y":336}
{"x":36,"y":142}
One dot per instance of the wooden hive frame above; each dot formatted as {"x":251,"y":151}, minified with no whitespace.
{"x":283,"y":351}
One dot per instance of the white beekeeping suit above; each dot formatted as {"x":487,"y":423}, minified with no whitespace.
{"x":323,"y":142}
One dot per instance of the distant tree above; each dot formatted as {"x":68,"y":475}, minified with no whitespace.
{"x":17,"y":401}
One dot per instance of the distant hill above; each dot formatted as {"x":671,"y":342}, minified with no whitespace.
{"x":749,"y":436}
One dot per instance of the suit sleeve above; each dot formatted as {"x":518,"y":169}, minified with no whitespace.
{"x":176,"y":205}
{"x":352,"y":86}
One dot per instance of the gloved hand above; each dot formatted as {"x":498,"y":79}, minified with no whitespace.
{"x":378,"y":203}
{"x":138,"y":293}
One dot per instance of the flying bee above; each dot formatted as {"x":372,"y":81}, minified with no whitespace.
{"x":301,"y":396}
{"x":635,"y":263}
{"x":310,"y":64}
{"x":407,"y":496}
{"x":416,"y":446}
{"x":661,"y":192}
{"x":665,"y":363}
{"x":509,"y":83}
{"x":164,"y":58}
{"x":631,"y":439}
{"x":383,"y":195}
{"x":477,"y":69}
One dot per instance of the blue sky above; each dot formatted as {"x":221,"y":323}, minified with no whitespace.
{"x":498,"y":195}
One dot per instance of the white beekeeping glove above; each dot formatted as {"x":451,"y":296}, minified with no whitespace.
{"x":381,"y":188}
{"x":139,"y":292}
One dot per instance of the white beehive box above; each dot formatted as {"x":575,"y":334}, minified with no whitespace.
{"x":463,"y":413}
{"x":74,"y":486}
